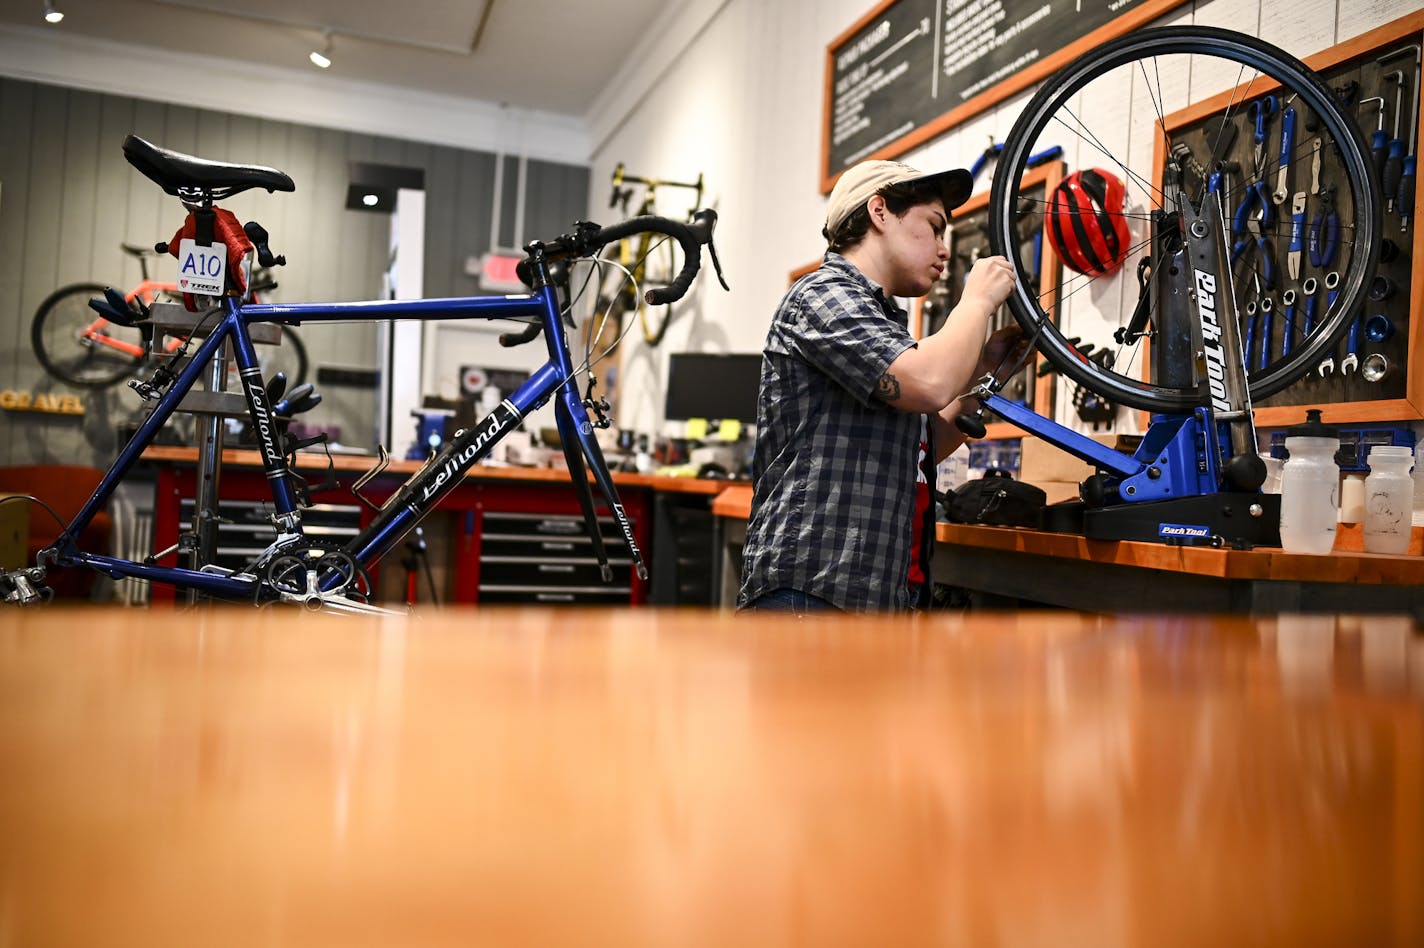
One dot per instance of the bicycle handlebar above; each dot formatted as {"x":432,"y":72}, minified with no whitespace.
{"x":588,"y":239}
{"x":690,"y":236}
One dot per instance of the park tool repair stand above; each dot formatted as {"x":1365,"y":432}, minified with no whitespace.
{"x":1195,"y":479}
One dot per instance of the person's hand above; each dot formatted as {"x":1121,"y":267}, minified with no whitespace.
{"x":1004,"y":347}
{"x":989,"y":283}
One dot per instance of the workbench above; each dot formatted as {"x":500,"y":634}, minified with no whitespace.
{"x":502,"y":535}
{"x":1034,"y":567}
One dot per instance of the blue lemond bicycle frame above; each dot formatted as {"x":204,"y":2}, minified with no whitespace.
{"x":422,"y":491}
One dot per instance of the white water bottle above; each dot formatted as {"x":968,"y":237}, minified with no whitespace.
{"x":1310,"y":487}
{"x":1389,"y":499}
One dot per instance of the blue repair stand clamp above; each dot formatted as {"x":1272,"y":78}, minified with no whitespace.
{"x":429,"y":432}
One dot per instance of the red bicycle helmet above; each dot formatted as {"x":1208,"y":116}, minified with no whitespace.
{"x":1085,"y":222}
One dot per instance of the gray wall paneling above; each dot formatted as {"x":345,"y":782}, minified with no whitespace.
{"x":68,"y":199}
{"x":17,"y":102}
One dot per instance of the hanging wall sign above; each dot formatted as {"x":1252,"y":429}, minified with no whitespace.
{"x":41,"y":402}
{"x":910,"y":69}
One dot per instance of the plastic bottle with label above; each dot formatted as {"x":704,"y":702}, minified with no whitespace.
{"x":1419,"y":495}
{"x":1310,"y":487}
{"x":1389,"y":499}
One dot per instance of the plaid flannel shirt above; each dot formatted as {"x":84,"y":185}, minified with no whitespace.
{"x":833,"y":507}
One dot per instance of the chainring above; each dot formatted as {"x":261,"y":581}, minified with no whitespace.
{"x":306,"y":571}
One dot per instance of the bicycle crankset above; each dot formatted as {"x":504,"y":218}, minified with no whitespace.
{"x":317,"y":574}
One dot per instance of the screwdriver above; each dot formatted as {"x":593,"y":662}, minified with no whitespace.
{"x":1406,"y":193}
{"x":1397,"y":174}
{"x":1394,"y":159}
{"x":1379,"y":141}
{"x":1411,"y":149}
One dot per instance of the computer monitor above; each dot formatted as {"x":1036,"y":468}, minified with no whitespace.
{"x":723,"y":386}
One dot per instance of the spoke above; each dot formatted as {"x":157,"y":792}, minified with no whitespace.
{"x":1146,"y":186}
{"x":1157,"y":100}
{"x":1084,"y":280}
{"x":1231,"y":105}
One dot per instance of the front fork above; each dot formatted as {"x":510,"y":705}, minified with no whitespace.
{"x":578,"y":441}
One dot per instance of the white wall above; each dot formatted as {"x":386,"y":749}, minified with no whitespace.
{"x":733,"y":89}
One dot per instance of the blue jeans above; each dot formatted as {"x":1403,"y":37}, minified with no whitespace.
{"x":790,"y":600}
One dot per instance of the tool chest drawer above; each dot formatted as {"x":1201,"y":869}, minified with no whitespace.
{"x":532,"y":557}
{"x":246,"y":527}
{"x":527,"y":571}
{"x":573,"y":596}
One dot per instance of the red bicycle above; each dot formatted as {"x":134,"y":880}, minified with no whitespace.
{"x":78,"y":346}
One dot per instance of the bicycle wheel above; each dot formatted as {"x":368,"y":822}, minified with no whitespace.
{"x":658,"y":268}
{"x":77,"y":345}
{"x":1163,"y":110}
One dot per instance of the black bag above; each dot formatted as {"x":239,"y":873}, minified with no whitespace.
{"x":997,"y":500}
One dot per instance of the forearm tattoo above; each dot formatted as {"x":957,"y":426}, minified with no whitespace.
{"x":888,"y":390}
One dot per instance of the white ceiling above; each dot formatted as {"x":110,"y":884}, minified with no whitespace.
{"x":548,"y":55}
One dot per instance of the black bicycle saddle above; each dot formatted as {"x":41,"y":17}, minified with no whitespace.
{"x":184,"y":176}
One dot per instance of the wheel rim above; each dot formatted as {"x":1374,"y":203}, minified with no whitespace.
{"x":58,"y":338}
{"x":1068,"y":102}
{"x":659,"y":270}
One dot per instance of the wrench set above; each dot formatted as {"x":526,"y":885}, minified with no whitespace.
{"x":1289,"y":225}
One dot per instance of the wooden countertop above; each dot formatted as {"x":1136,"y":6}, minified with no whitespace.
{"x":1348,"y":564}
{"x":644,"y":777}
{"x":347,"y":462}
{"x":735,"y":501}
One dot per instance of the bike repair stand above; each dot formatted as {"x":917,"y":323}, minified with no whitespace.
{"x":1195,"y":479}
{"x":415,"y":562}
{"x":211,"y":408}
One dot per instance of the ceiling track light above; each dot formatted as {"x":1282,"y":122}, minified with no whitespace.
{"x":51,"y":13}
{"x":321,"y":58}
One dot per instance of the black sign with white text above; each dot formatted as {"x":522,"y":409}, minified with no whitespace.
{"x":915,"y":61}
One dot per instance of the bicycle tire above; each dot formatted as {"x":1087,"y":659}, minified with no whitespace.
{"x":56,"y":330}
{"x":658,"y":267}
{"x":1051,"y":109}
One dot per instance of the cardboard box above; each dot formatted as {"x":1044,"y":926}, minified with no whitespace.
{"x":14,"y":533}
{"x":1041,"y":462}
{"x":1057,"y":490}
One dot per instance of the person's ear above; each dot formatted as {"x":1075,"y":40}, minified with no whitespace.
{"x":877,"y":210}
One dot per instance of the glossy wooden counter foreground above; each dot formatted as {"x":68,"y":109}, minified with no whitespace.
{"x":655,"y":778}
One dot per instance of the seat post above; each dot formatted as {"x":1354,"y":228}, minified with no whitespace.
{"x":210,"y":428}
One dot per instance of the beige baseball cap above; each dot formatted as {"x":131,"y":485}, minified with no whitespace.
{"x":859,"y":183}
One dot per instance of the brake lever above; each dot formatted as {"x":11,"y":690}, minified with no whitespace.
{"x":511,"y":339}
{"x":119,"y":310}
{"x":717,"y":265}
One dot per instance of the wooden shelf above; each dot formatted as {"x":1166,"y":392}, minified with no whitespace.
{"x":1342,"y":566}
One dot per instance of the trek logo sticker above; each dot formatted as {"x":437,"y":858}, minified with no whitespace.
{"x":1211,"y":341}
{"x":1188,"y":531}
{"x":265,"y":432}
{"x":456,"y":464}
{"x":202,"y":270}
